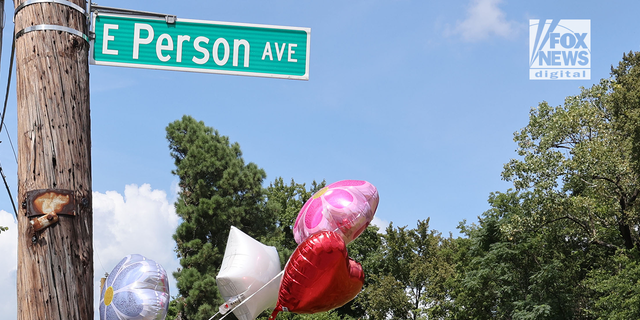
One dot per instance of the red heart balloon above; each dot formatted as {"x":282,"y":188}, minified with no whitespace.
{"x":319,"y":276}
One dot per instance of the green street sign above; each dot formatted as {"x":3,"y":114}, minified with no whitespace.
{"x":200,"y":46}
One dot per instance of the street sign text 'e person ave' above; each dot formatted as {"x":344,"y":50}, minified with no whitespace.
{"x":200,"y":46}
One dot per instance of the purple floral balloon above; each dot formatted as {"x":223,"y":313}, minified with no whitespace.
{"x":136,"y":289}
{"x":346,"y":207}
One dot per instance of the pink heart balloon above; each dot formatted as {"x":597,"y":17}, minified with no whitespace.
{"x":345,"y":207}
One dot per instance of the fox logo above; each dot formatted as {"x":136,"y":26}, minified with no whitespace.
{"x":559,"y":46}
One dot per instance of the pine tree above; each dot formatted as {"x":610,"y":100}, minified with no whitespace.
{"x":217,"y":191}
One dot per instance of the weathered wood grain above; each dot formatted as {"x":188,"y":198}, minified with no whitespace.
{"x":55,"y":265}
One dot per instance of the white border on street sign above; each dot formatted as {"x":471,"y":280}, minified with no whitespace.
{"x":227,"y":72}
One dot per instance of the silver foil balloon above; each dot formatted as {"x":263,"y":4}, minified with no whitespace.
{"x":136,"y":289}
{"x":247,"y":267}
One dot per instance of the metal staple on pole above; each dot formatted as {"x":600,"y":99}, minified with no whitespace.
{"x":62,"y":2}
{"x":52,"y":27}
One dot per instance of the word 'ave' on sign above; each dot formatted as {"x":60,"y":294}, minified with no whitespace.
{"x":201,"y":46}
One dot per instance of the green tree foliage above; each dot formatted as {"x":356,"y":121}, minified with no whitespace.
{"x":217,"y":191}
{"x":526,"y":275}
{"x":626,"y":100}
{"x":284,"y":202}
{"x":407,"y":271}
{"x":578,"y":170}
{"x":564,"y":243}
{"x":3,"y":229}
{"x":618,"y":283}
{"x":617,"y":287}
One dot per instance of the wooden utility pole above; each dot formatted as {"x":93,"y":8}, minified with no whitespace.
{"x":55,"y":264}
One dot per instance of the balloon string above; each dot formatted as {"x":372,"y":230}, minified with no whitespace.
{"x":214,"y":315}
{"x":253,"y":294}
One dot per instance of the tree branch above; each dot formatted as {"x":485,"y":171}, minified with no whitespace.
{"x":605,"y":244}
{"x":567,"y":217}
{"x":616,"y":183}
{"x":634,"y":196}
{"x":560,"y":146}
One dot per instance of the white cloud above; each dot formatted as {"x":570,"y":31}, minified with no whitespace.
{"x":8,"y":266}
{"x":381,"y":224}
{"x":143,"y":222}
{"x":485,"y":19}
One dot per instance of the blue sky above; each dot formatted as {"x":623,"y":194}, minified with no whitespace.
{"x":420,"y":98}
